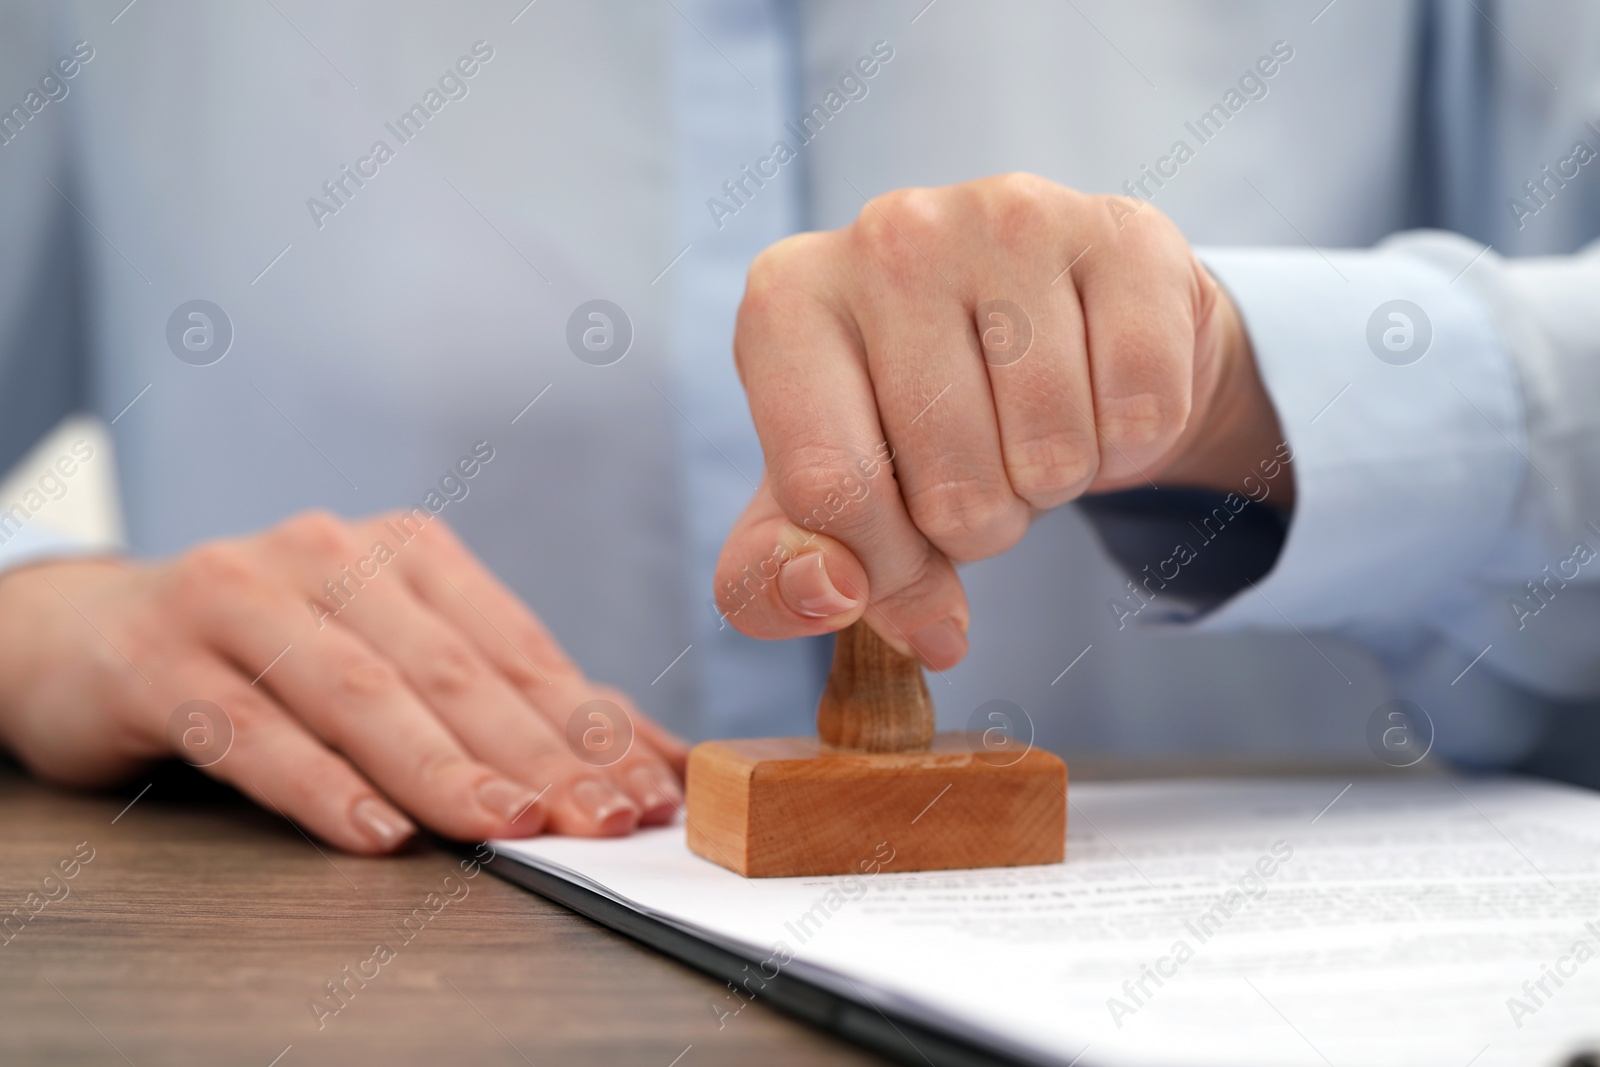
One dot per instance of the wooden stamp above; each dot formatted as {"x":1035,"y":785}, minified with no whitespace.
{"x":877,"y":774}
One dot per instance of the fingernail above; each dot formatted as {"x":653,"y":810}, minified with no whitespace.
{"x":658,"y":792}
{"x":511,"y":802}
{"x":808,"y":589}
{"x":941,"y":645}
{"x":386,"y":827}
{"x":611,"y":810}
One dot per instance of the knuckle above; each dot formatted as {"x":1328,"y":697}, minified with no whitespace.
{"x":1151,"y":240}
{"x":911,"y":207}
{"x":530,"y":644}
{"x":548,"y":751}
{"x":923,"y":580}
{"x":807,"y":475}
{"x":408,"y":522}
{"x":893,"y":227}
{"x":1143,"y":232}
{"x":773,"y":269}
{"x":437,"y":765}
{"x":318,"y":534}
{"x":545,"y":752}
{"x":436,"y":534}
{"x":783,"y":269}
{"x":1141,"y":420}
{"x":452,"y":671}
{"x":781,"y":284}
{"x":248,"y":718}
{"x":1049,"y":470}
{"x":247,"y":715}
{"x":214,"y":569}
{"x":363,"y":676}
{"x":1019,"y":206}
{"x":522,"y":677}
{"x":965,"y":515}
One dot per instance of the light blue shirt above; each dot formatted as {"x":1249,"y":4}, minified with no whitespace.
{"x":583,"y":159}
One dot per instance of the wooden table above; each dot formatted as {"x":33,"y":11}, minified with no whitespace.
{"x":202,"y":928}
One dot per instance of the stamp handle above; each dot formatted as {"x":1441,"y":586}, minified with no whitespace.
{"x":876,"y":699}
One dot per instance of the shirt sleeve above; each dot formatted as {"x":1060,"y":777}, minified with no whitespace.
{"x":1442,"y":404}
{"x":1442,"y":401}
{"x":1402,"y":412}
{"x":1443,"y":407}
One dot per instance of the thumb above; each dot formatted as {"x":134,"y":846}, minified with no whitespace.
{"x":775,"y":579}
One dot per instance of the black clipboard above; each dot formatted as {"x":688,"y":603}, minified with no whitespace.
{"x":887,"y":1033}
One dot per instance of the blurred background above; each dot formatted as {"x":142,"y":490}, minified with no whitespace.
{"x":381,"y":326}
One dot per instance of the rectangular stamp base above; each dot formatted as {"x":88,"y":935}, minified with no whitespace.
{"x":791,"y":806}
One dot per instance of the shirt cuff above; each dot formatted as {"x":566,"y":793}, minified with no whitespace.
{"x":35,"y":542}
{"x":1183,"y":552}
{"x":1402,"y":409}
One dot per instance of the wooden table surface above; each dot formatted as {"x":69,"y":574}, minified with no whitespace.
{"x":202,"y":928}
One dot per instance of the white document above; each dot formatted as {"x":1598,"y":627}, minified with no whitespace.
{"x":1239,"y":922}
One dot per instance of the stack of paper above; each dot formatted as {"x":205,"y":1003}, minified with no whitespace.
{"x":1406,"y":922}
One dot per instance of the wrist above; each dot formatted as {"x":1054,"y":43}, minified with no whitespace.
{"x":37,"y":600}
{"x":1238,"y":435}
{"x":50,"y":652}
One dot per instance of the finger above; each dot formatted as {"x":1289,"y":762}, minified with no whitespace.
{"x":1038,"y":367}
{"x":350,"y":697}
{"x":796,"y":586}
{"x":258,"y":748}
{"x":591,"y":795}
{"x":928,"y":376}
{"x":625,"y":750}
{"x":829,"y":466}
{"x":496,"y":724}
{"x":522,"y":648}
{"x":1138,"y":307}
